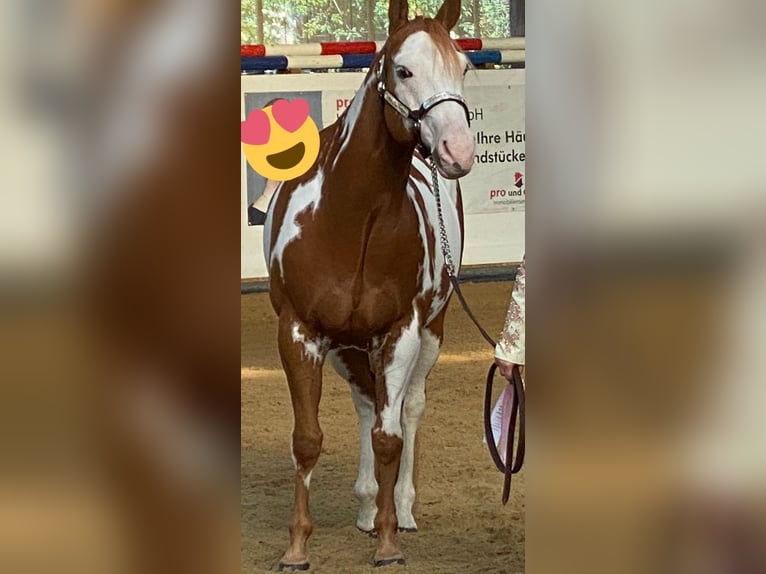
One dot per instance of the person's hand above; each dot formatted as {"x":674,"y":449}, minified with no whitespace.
{"x":506,"y":369}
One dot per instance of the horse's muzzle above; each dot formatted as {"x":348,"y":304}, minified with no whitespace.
{"x":450,"y":170}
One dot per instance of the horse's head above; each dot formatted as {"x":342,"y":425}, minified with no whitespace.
{"x":420,"y":76}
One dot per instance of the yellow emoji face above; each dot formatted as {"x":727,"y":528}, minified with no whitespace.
{"x":281,"y":141}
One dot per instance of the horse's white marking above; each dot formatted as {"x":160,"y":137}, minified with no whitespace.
{"x":397,"y":375}
{"x":305,"y":196}
{"x":315,"y":349}
{"x":419,"y":54}
{"x":307,"y":478}
{"x":414,"y":406}
{"x":448,"y":194}
{"x":292,"y":453}
{"x":352,"y":115}
{"x":431,"y":75}
{"x":425,"y":268}
{"x":366,"y":487}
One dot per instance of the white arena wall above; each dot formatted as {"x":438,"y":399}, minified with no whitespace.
{"x":493,"y":193}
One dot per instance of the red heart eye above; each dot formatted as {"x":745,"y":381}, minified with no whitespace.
{"x":256,"y":129}
{"x":291,"y":115}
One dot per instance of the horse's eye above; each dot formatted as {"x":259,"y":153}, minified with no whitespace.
{"x":403,"y":73}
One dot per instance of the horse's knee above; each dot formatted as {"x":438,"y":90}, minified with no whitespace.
{"x":306,"y":448}
{"x":388,"y":448}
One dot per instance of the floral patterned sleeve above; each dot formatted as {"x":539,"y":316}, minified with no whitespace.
{"x":511,"y":345}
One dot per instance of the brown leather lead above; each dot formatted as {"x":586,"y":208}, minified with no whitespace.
{"x":459,"y":293}
{"x":513,"y":463}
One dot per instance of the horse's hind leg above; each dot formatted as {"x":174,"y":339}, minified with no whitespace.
{"x":354,"y":366}
{"x":302,"y":357}
{"x":414,"y":406}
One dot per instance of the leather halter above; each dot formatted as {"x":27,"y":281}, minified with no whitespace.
{"x":416,"y":116}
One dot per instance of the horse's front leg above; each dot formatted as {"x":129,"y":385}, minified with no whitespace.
{"x":302,"y":357}
{"x":354,"y":366}
{"x":414,"y":406}
{"x":394,"y":361}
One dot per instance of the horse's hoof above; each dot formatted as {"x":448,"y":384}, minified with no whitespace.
{"x":387,"y":561}
{"x":371,"y":533}
{"x":292,"y":567}
{"x":408,"y":529}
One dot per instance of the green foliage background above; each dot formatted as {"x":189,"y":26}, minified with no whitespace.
{"x":303,"y":21}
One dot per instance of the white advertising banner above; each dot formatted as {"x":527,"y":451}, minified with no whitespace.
{"x":493,"y":193}
{"x":496,"y":182}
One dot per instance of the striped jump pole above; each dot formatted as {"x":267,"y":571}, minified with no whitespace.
{"x":351,"y":55}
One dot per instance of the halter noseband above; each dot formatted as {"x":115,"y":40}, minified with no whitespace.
{"x":416,"y":116}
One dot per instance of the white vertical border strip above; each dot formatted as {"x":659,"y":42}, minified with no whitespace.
{"x":490,"y":238}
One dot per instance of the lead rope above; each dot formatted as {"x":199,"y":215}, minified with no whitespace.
{"x":447,"y":252}
{"x":512,"y":464}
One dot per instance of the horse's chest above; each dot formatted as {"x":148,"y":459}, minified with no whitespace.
{"x":352,"y":271}
{"x":367,"y":285}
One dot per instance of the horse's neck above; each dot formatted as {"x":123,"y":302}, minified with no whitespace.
{"x":369,"y":163}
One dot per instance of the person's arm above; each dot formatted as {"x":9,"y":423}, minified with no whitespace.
{"x":510,"y":347}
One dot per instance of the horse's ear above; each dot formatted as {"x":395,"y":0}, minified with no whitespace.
{"x":397,"y":14}
{"x":449,"y":13}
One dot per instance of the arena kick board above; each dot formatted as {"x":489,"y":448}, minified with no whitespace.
{"x":493,"y":193}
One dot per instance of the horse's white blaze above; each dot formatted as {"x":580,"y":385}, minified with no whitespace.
{"x":315,"y":349}
{"x":430,"y":76}
{"x":419,"y":55}
{"x":305,"y":196}
{"x":398,"y":374}
{"x":307,"y":479}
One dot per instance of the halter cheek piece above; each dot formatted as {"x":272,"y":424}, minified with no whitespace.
{"x":416,"y":116}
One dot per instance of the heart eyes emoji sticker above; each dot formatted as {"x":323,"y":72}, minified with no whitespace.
{"x":281,"y":141}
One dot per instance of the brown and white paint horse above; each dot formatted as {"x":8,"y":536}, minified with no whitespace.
{"x":357,"y":273}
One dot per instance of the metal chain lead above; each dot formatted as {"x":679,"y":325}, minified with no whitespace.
{"x":442,"y":229}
